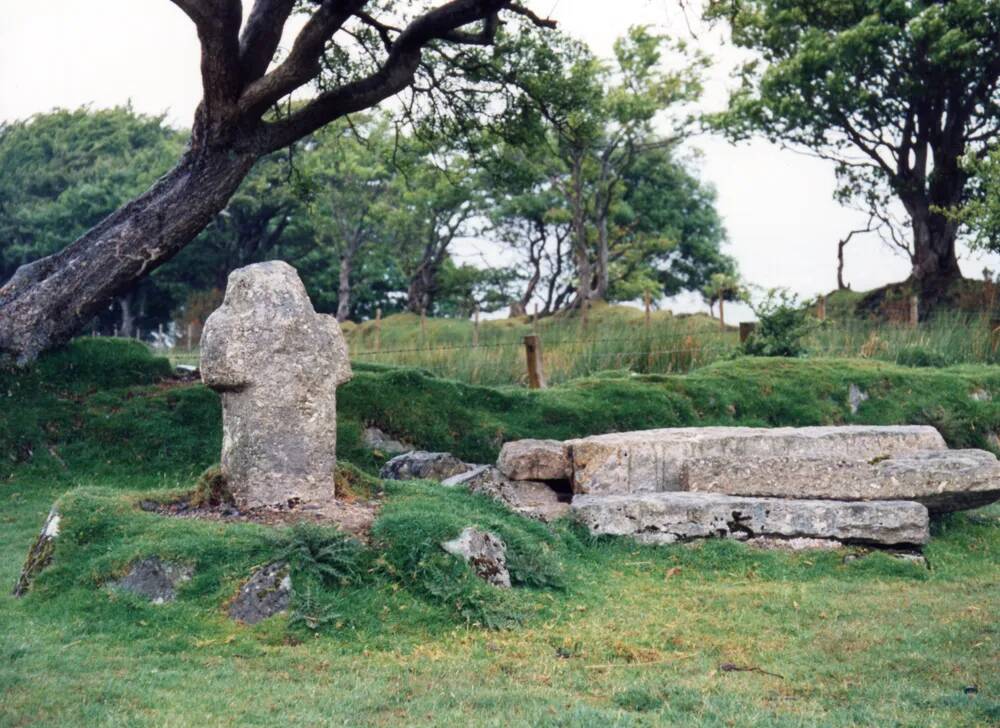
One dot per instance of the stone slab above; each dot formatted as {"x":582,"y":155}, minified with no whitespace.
{"x":531,"y":498}
{"x":671,"y":517}
{"x":535,"y":460}
{"x":653,"y":460}
{"x":943,"y":480}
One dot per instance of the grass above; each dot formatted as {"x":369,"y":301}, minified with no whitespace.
{"x":597,"y":632}
{"x":618,"y":338}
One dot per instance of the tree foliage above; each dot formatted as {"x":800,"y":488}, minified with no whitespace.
{"x":895,"y":93}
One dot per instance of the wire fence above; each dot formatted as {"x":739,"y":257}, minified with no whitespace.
{"x":498,"y":356}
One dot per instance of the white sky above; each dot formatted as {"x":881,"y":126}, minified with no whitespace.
{"x":777,"y":205}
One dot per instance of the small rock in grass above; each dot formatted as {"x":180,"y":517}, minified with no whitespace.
{"x":154,"y":579}
{"x":375,"y":439}
{"x":484,"y":552}
{"x":40,"y":553}
{"x":420,"y":465}
{"x":981,"y":395}
{"x":855,"y":398}
{"x":266,"y":593}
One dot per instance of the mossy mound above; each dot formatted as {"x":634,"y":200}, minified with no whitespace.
{"x":62,"y":424}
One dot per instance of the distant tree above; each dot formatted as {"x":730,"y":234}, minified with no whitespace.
{"x":583,"y":147}
{"x":722,"y":287}
{"x":895,"y":93}
{"x":63,"y":172}
{"x":435,"y":201}
{"x":350,"y":169}
{"x":982,"y":212}
{"x":357,"y":53}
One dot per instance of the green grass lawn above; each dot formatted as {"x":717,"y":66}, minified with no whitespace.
{"x":599,"y":632}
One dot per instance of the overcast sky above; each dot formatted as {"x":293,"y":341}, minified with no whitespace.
{"x":777,"y":205}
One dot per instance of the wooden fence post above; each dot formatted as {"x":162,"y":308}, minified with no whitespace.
{"x":533,"y":352}
{"x":378,"y":329}
{"x":475,"y":327}
{"x":914,"y":310}
{"x":821,"y":308}
{"x":722,"y":313}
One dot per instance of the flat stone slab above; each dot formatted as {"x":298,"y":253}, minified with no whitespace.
{"x":530,"y":498}
{"x":943,"y":480}
{"x":671,"y":517}
{"x":154,"y":579}
{"x":535,"y":460}
{"x":653,"y":460}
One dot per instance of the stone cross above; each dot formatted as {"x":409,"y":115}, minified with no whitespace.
{"x":277,"y":364}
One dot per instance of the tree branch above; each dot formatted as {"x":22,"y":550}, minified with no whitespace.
{"x":396,"y":73}
{"x":261,"y":36}
{"x":303,"y":61}
{"x":218,"y":24}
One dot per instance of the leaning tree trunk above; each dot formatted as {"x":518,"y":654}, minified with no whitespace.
{"x":47,"y":301}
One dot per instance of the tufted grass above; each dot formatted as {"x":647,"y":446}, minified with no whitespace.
{"x":600,"y":632}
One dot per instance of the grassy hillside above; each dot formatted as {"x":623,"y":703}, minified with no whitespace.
{"x":596,"y":632}
{"x":617,"y":337}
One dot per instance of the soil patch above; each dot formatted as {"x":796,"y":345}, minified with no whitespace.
{"x":353,"y":516}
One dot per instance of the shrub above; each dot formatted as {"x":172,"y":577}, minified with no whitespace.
{"x":782,"y":326}
{"x":917,"y":356}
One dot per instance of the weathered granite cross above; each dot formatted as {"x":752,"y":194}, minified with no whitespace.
{"x":277,"y":364}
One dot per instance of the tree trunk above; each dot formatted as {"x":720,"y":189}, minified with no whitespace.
{"x":47,"y":301}
{"x":935,"y":263}
{"x":344,"y":288}
{"x":603,"y":274}
{"x":127,"y":329}
{"x":418,"y":293}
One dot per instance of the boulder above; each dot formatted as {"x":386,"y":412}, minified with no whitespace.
{"x":277,"y":364}
{"x":40,"y":553}
{"x":535,"y":460}
{"x":375,"y":439}
{"x":485,"y":552}
{"x":670,"y":517}
{"x":420,"y":465}
{"x":530,"y":498}
{"x":153,"y":579}
{"x":855,"y":398}
{"x":653,"y":460}
{"x":266,"y":593}
{"x":943,"y":480}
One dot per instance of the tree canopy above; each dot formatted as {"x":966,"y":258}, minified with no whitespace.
{"x":895,"y":93}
